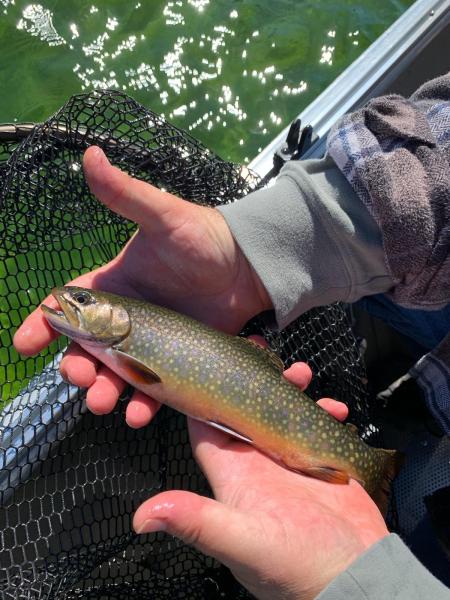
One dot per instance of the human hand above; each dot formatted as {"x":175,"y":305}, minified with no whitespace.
{"x":183,"y":256}
{"x":283,"y":535}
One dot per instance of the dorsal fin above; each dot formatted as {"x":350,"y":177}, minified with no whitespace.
{"x":268,"y":354}
{"x":352,"y":428}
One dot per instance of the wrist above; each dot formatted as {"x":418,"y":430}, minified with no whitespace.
{"x":249,"y":296}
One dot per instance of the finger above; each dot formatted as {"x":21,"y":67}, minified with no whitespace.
{"x":338,"y":410}
{"x":213,"y":528}
{"x":299,"y":374}
{"x":140,"y":410}
{"x":210,"y":445}
{"x":104,"y":393}
{"x":78,"y":366}
{"x":35,"y":333}
{"x":219,"y":455}
{"x":133,"y":199}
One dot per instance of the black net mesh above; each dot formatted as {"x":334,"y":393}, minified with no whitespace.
{"x":70,"y":481}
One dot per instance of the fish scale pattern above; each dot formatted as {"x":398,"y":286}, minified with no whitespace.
{"x":69,"y":480}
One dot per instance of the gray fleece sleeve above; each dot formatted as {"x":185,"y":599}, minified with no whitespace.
{"x":387,"y":571}
{"x":310,"y":239}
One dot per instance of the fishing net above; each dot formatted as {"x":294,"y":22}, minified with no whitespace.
{"x":70,"y":481}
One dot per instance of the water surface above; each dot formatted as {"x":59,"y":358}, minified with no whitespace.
{"x":232,"y":72}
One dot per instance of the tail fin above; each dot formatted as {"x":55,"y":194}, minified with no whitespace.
{"x":393,"y":461}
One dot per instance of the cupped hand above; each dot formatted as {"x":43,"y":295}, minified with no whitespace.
{"x":183,"y":256}
{"x":283,"y":535}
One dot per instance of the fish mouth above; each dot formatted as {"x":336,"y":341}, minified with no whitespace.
{"x":66,"y":320}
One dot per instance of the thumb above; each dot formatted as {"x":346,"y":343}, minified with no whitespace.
{"x":135,"y":200}
{"x":213,"y":528}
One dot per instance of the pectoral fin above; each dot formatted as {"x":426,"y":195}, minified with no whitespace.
{"x":136,"y":370}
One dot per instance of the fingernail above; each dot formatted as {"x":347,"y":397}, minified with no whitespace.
{"x":150,"y":526}
{"x":67,"y":378}
{"x":64,"y":376}
{"x":98,"y":154}
{"x":97,"y":151}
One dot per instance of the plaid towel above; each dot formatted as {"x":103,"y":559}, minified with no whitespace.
{"x":396,"y":153}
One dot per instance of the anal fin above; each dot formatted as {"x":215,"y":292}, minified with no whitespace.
{"x":327,"y":474}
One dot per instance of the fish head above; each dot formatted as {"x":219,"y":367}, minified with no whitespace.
{"x":89,"y":316}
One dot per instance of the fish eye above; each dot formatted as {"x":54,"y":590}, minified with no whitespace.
{"x":82,"y":297}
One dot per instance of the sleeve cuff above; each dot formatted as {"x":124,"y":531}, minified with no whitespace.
{"x":387,"y":570}
{"x":309,"y":239}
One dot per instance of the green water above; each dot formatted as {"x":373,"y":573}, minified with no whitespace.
{"x":232,"y":72}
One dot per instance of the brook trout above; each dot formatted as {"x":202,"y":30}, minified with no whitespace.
{"x":226,"y":381}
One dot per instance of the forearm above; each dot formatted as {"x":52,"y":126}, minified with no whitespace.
{"x":310,"y":239}
{"x":387,"y":570}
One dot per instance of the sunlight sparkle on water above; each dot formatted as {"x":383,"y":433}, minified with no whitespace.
{"x":199,"y":4}
{"x":173,"y":18}
{"x":180,"y":111}
{"x":112,"y":23}
{"x":354,"y":33}
{"x":96,"y":46}
{"x":73,"y":28}
{"x":127,"y":44}
{"x":207,"y":64}
{"x":294,"y":91}
{"x":327,"y":55}
{"x":192,"y":63}
{"x":37,"y":21}
{"x":142,"y":78}
{"x":173,"y":67}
